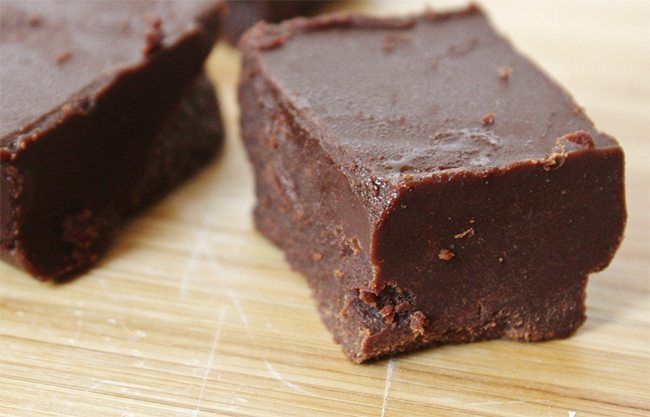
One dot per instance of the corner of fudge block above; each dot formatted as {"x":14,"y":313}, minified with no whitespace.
{"x":501,"y":253}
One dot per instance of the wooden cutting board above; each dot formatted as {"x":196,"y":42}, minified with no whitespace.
{"x":194,"y":313}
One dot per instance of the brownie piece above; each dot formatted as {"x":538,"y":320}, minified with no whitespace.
{"x":433,"y":185}
{"x":241,"y":15}
{"x":104,"y":108}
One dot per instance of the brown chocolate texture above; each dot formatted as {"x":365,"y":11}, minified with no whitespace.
{"x":105,"y":108}
{"x":426,"y":204}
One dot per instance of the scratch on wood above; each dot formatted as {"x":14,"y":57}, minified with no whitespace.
{"x":114,"y":322}
{"x":80,"y":319}
{"x":124,"y":327}
{"x":389,"y":379}
{"x":242,"y":315}
{"x":104,"y":288}
{"x":190,"y":267}
{"x":208,"y":368}
{"x":98,"y":384}
{"x":278,"y":377}
{"x":104,"y":382}
{"x":269,"y":366}
{"x":489,"y":403}
{"x":548,"y":408}
{"x":109,"y":294}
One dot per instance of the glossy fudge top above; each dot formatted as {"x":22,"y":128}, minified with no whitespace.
{"x":411,"y":97}
{"x":52,"y":51}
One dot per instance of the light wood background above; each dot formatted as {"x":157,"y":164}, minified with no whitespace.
{"x":193,"y":313}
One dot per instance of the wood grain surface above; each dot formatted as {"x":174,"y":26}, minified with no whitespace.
{"x":194,"y":313}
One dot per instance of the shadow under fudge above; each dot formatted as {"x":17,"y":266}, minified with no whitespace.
{"x":433,"y":185}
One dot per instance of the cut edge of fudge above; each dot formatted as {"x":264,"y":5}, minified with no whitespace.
{"x":371,"y":246}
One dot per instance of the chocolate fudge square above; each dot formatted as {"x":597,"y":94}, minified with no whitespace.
{"x":432,"y":184}
{"x":104,"y":108}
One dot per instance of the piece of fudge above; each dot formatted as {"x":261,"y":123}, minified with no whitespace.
{"x":241,"y":15}
{"x":432,"y":184}
{"x":104,"y":108}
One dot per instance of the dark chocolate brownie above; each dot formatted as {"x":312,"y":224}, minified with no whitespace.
{"x":241,"y":15}
{"x":103,"y":108}
{"x":432,"y":184}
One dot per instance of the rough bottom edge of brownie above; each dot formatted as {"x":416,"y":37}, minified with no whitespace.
{"x":558,"y":317}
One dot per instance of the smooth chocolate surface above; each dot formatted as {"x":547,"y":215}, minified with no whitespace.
{"x":432,"y":184}
{"x":95,"y":121}
{"x":241,"y":15}
{"x":56,"y":50}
